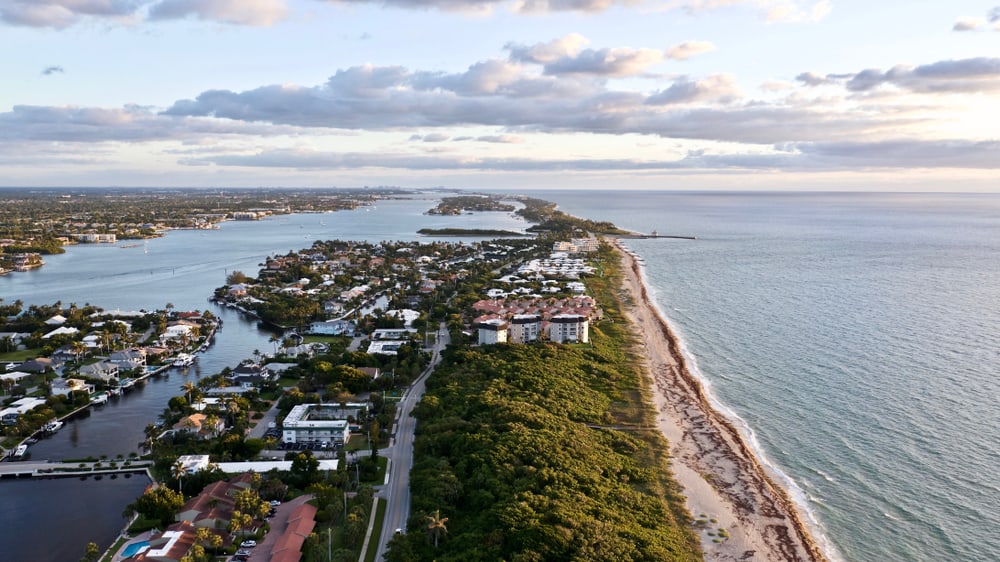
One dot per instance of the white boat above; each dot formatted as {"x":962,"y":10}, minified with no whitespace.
{"x":53,"y":426}
{"x":20,"y":451}
{"x":99,"y":398}
{"x":184,"y":360}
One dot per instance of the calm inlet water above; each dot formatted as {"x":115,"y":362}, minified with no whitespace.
{"x":856,"y":337}
{"x":182,"y":268}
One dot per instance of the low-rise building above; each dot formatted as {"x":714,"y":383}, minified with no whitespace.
{"x":315,"y":424}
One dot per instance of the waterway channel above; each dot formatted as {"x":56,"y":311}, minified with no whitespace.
{"x":182,"y":268}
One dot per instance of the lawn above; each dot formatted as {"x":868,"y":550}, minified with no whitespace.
{"x":20,"y":355}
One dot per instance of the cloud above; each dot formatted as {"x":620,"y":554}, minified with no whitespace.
{"x":776,"y":86}
{"x":520,"y":6}
{"x":546,"y":53}
{"x":718,"y":87}
{"x":501,"y":139}
{"x":966,"y":75}
{"x":965,"y":23}
{"x":968,"y":23}
{"x":688,"y":49}
{"x":238,"y":12}
{"x":787,"y":11}
{"x":50,"y":70}
{"x":616,"y":62}
{"x":60,"y":14}
{"x":814,"y":79}
{"x":433,"y":137}
{"x":63,"y":13}
{"x":130,"y":123}
{"x":566,"y":55}
{"x":904,"y":153}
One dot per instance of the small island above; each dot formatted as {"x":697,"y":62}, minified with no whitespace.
{"x":482,"y":232}
{"x":470,"y":203}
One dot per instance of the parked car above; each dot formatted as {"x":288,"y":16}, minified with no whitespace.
{"x":248,"y":544}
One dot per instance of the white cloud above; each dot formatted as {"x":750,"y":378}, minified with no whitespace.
{"x":239,"y":12}
{"x":771,"y":10}
{"x":966,"y":23}
{"x":545,"y":53}
{"x":60,"y":14}
{"x":616,"y":62}
{"x":719,"y":87}
{"x":64,"y":13}
{"x":688,"y":49}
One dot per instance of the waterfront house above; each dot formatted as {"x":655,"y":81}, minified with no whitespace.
{"x":250,"y":375}
{"x":103,"y":370}
{"x":129,"y":359}
{"x":205,"y":427}
{"x":171,"y":545}
{"x":63,"y":387}
{"x":333,"y":327}
{"x":10,"y":414}
{"x":39,"y":365}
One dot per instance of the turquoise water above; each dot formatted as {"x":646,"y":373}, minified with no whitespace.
{"x":856,"y":337}
{"x":134,"y":548}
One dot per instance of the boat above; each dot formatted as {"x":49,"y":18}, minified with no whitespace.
{"x":20,"y":451}
{"x":99,"y":398}
{"x":126,"y":383}
{"x":184,"y":360}
{"x":53,"y":426}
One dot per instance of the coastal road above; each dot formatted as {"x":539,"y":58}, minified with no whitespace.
{"x":397,"y":490}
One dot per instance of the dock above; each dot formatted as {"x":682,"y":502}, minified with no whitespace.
{"x":30,"y":469}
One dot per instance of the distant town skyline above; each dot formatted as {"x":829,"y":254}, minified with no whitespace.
{"x":480,"y":94}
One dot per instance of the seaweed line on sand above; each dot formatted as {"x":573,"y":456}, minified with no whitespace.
{"x":767,"y":524}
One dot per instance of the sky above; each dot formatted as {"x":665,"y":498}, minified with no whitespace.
{"x":637,"y":94}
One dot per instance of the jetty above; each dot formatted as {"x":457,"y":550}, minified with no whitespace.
{"x":654,"y":234}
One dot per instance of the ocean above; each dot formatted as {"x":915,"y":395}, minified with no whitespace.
{"x":855,"y":339}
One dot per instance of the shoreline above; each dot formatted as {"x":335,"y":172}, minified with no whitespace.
{"x":723,"y":482}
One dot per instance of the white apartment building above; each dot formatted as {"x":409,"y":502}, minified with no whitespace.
{"x":524,"y":328}
{"x":565,"y":328}
{"x":492,"y":331}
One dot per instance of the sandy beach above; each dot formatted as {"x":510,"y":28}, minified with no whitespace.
{"x":725,"y":485}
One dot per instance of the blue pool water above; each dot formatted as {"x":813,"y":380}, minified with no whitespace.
{"x":134,"y":548}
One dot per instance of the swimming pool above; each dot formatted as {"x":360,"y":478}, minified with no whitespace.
{"x":135,"y":548}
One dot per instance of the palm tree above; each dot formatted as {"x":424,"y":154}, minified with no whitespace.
{"x":189,"y":388}
{"x":436,"y":526}
{"x":79,"y":348}
{"x":179,"y":472}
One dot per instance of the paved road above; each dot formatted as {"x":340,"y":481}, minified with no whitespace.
{"x":397,"y":491}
